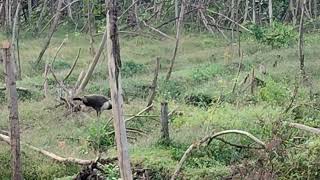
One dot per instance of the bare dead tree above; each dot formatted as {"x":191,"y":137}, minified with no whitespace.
{"x":270,"y":12}
{"x":14,"y":113}
{"x":179,"y":28}
{"x":93,"y":64}
{"x":301,"y":41}
{"x":153,"y":87}
{"x":14,"y":40}
{"x":51,"y":31}
{"x":114,"y":65}
{"x":44,"y":6}
{"x":164,"y":119}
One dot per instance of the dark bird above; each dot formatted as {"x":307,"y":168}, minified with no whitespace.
{"x":97,"y":102}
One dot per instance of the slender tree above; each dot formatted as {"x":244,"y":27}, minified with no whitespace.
{"x":114,"y":65}
{"x":14,"y":114}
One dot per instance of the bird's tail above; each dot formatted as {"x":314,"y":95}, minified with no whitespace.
{"x":77,"y":98}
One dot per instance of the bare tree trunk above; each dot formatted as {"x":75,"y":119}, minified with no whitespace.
{"x":41,"y":15}
{"x":270,"y":12}
{"x":114,"y":65}
{"x":301,"y":39}
{"x":29,"y":9}
{"x":315,"y":9}
{"x":51,"y":31}
{"x":254,"y":11}
{"x":136,"y":10}
{"x":90,"y":22}
{"x":245,"y":16}
{"x":176,"y":11}
{"x":93,"y":64}
{"x":154,"y":83}
{"x":14,"y":114}
{"x":45,"y":75}
{"x":14,"y":40}
{"x":179,"y":28}
{"x":164,"y":118}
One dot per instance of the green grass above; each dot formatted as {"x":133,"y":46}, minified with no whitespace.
{"x":202,"y":67}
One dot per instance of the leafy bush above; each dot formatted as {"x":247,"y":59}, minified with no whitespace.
{"x":200,"y":99}
{"x":172,"y":89}
{"x":273,"y":93}
{"x":111,"y":171}
{"x":130,"y":68}
{"x":100,"y":136}
{"x":278,"y":35}
{"x":205,"y":72}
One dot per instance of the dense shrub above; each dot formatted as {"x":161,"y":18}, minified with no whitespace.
{"x":274,"y":93}
{"x":130,"y":68}
{"x":172,"y":89}
{"x":207,"y":71}
{"x":100,"y":136}
{"x":278,"y":35}
{"x":199,"y":99}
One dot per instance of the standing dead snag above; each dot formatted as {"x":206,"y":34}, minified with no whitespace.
{"x":179,"y":27}
{"x":114,"y":65}
{"x":51,"y":31}
{"x":14,"y":114}
{"x":164,"y":122}
{"x":154,"y":83}
{"x":301,"y":39}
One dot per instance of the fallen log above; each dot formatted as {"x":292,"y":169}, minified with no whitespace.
{"x":60,"y":159}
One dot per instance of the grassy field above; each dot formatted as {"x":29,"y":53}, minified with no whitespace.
{"x":205,"y":68}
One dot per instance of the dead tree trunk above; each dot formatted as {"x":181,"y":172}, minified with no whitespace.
{"x":254,"y":11}
{"x":51,"y":31}
{"x":179,"y":27}
{"x":154,"y":83}
{"x":164,"y":122}
{"x":270,"y":12}
{"x":41,"y":15}
{"x":301,"y":39}
{"x":14,"y":40}
{"x":114,"y":65}
{"x":14,"y":114}
{"x":93,"y":64}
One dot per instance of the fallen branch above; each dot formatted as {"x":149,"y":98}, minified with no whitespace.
{"x":208,"y":139}
{"x":158,"y":31}
{"x":59,"y":158}
{"x":305,"y":128}
{"x":139,"y":113}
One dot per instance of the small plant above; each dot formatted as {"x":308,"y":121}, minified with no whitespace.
{"x":111,"y":171}
{"x":100,"y":136}
{"x":172,"y":89}
{"x":130,"y":68}
{"x":205,"y":72}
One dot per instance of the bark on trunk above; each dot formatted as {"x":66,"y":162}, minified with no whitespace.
{"x":114,"y":65}
{"x":179,"y":28}
{"x":14,"y":114}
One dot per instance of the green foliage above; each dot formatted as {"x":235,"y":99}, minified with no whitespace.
{"x":111,"y":172}
{"x":300,"y":162}
{"x":35,"y":167}
{"x":207,"y":71}
{"x":100,"y":136}
{"x":274,"y":93}
{"x":172,"y":89}
{"x":60,"y":64}
{"x":276,"y":36}
{"x":130,"y":68}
